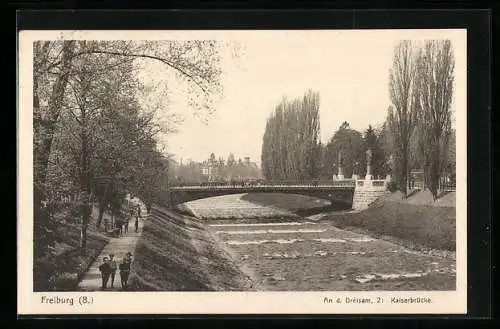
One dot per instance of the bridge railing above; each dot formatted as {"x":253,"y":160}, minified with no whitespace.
{"x":236,"y":184}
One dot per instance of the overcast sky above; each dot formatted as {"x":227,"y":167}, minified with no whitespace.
{"x":349,"y":69}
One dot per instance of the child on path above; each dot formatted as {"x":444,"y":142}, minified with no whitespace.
{"x":105,"y":269}
{"x":112,"y":269}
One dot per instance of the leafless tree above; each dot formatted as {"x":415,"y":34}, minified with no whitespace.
{"x":402,"y":81}
{"x":435,"y":91}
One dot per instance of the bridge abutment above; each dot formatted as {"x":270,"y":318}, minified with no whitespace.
{"x":366,"y":192}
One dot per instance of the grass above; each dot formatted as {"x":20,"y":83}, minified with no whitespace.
{"x":422,"y":226}
{"x":301,"y":205}
{"x":62,"y":269}
{"x":176,"y":253}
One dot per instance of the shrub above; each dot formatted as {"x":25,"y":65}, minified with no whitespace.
{"x":44,"y":275}
{"x":66,"y":281}
{"x":392,"y":186}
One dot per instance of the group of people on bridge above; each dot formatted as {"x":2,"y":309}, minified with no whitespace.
{"x":233,"y":183}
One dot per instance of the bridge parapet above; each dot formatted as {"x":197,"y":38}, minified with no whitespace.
{"x":377,"y":184}
{"x":349,"y":183}
{"x":338,"y":191}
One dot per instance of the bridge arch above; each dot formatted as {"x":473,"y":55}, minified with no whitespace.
{"x":342,"y":195}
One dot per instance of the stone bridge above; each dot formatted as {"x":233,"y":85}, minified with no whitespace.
{"x":341,"y":191}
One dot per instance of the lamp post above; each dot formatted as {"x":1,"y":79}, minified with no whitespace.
{"x":390,"y":163}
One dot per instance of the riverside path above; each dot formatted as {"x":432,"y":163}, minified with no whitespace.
{"x":117,"y":246}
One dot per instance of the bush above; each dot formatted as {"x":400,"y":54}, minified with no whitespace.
{"x":66,"y":281}
{"x":44,"y":275}
{"x":392,"y":186}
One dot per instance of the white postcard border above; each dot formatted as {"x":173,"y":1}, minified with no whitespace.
{"x":449,"y":302}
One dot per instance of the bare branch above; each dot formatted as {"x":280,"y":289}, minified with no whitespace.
{"x":164,"y":61}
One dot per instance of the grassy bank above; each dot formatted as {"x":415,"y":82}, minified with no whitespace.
{"x":420,"y":226}
{"x":63,"y":267}
{"x":176,"y":253}
{"x":415,"y":222}
{"x":301,"y":205}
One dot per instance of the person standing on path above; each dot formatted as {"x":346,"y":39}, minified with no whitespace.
{"x":105,"y":269}
{"x":125,"y":270}
{"x":118,"y":226}
{"x":125,"y":223}
{"x":137,"y":215}
{"x":112,"y":270}
{"x":127,"y":214}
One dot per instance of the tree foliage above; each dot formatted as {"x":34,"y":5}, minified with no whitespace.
{"x":291,"y":145}
{"x":372,"y":141}
{"x":346,"y":144}
{"x":92,"y":135}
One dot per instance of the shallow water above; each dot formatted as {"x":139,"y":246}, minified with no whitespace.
{"x":272,"y":231}
{"x":315,"y":255}
{"x":231,"y":206}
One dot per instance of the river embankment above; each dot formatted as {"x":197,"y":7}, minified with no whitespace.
{"x":177,"y":253}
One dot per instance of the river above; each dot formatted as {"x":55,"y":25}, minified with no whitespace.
{"x":301,"y":253}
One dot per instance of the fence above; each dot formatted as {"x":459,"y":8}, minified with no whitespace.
{"x":297,"y":183}
{"x":444,"y":184}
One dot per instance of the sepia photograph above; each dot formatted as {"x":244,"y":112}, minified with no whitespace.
{"x":242,"y":170}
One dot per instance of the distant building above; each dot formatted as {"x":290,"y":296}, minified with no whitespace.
{"x":217,"y":170}
{"x":210,"y":169}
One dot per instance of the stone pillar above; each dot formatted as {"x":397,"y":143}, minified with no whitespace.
{"x":369,"y":165}
{"x":340,"y":175}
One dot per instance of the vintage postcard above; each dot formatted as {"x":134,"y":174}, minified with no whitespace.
{"x":242,"y":172}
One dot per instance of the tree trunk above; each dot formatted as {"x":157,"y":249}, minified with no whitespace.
{"x":102,"y":207}
{"x":83,"y":239}
{"x":103,"y":202}
{"x":44,"y":124}
{"x":403,"y":165}
{"x":85,"y":182}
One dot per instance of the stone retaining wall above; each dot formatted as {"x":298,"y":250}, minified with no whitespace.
{"x":366,"y":192}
